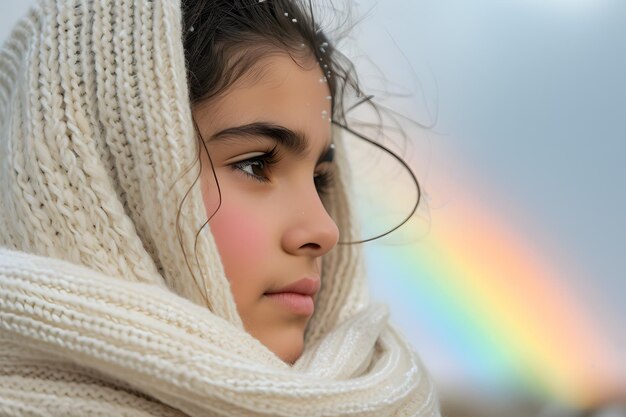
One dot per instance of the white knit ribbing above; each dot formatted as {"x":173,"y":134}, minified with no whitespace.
{"x":96,"y":136}
{"x":62,"y":312}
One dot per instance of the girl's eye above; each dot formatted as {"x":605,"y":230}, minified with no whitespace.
{"x":252,"y":167}
{"x":324,"y":182}
{"x":257,"y":167}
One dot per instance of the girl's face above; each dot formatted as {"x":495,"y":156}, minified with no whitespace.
{"x":270,"y":144}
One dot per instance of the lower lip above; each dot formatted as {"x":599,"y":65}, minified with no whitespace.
{"x":297,"y":303}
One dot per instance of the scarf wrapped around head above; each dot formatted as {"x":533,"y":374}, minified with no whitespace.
{"x":101,"y":311}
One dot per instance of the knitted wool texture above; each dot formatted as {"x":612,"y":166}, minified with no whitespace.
{"x":101,"y":312}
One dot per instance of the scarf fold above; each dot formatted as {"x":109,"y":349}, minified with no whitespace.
{"x":110,"y":303}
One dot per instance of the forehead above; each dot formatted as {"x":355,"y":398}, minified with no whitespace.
{"x":276,"y":90}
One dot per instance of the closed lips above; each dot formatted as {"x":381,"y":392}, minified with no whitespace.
{"x":305,"y":286}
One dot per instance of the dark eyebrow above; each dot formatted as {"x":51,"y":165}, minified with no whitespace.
{"x":294,"y":141}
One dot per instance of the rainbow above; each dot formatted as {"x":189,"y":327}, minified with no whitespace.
{"x":491,"y":307}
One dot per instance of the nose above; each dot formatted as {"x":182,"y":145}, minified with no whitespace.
{"x":310,"y":229}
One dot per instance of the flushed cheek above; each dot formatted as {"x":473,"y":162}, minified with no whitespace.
{"x":242,"y":240}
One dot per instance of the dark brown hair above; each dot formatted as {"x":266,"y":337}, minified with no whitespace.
{"x":224,"y":40}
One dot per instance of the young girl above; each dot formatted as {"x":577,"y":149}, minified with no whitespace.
{"x":175,"y":228}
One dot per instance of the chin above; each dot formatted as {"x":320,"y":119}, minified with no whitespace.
{"x":292,"y":357}
{"x":283,"y":336}
{"x":288,"y":347}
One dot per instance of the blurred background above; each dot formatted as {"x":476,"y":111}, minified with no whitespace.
{"x":509,"y":280}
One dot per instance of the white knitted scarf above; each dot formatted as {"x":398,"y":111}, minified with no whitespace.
{"x":101,"y":312}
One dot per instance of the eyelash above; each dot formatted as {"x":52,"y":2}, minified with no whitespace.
{"x":323,"y":180}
